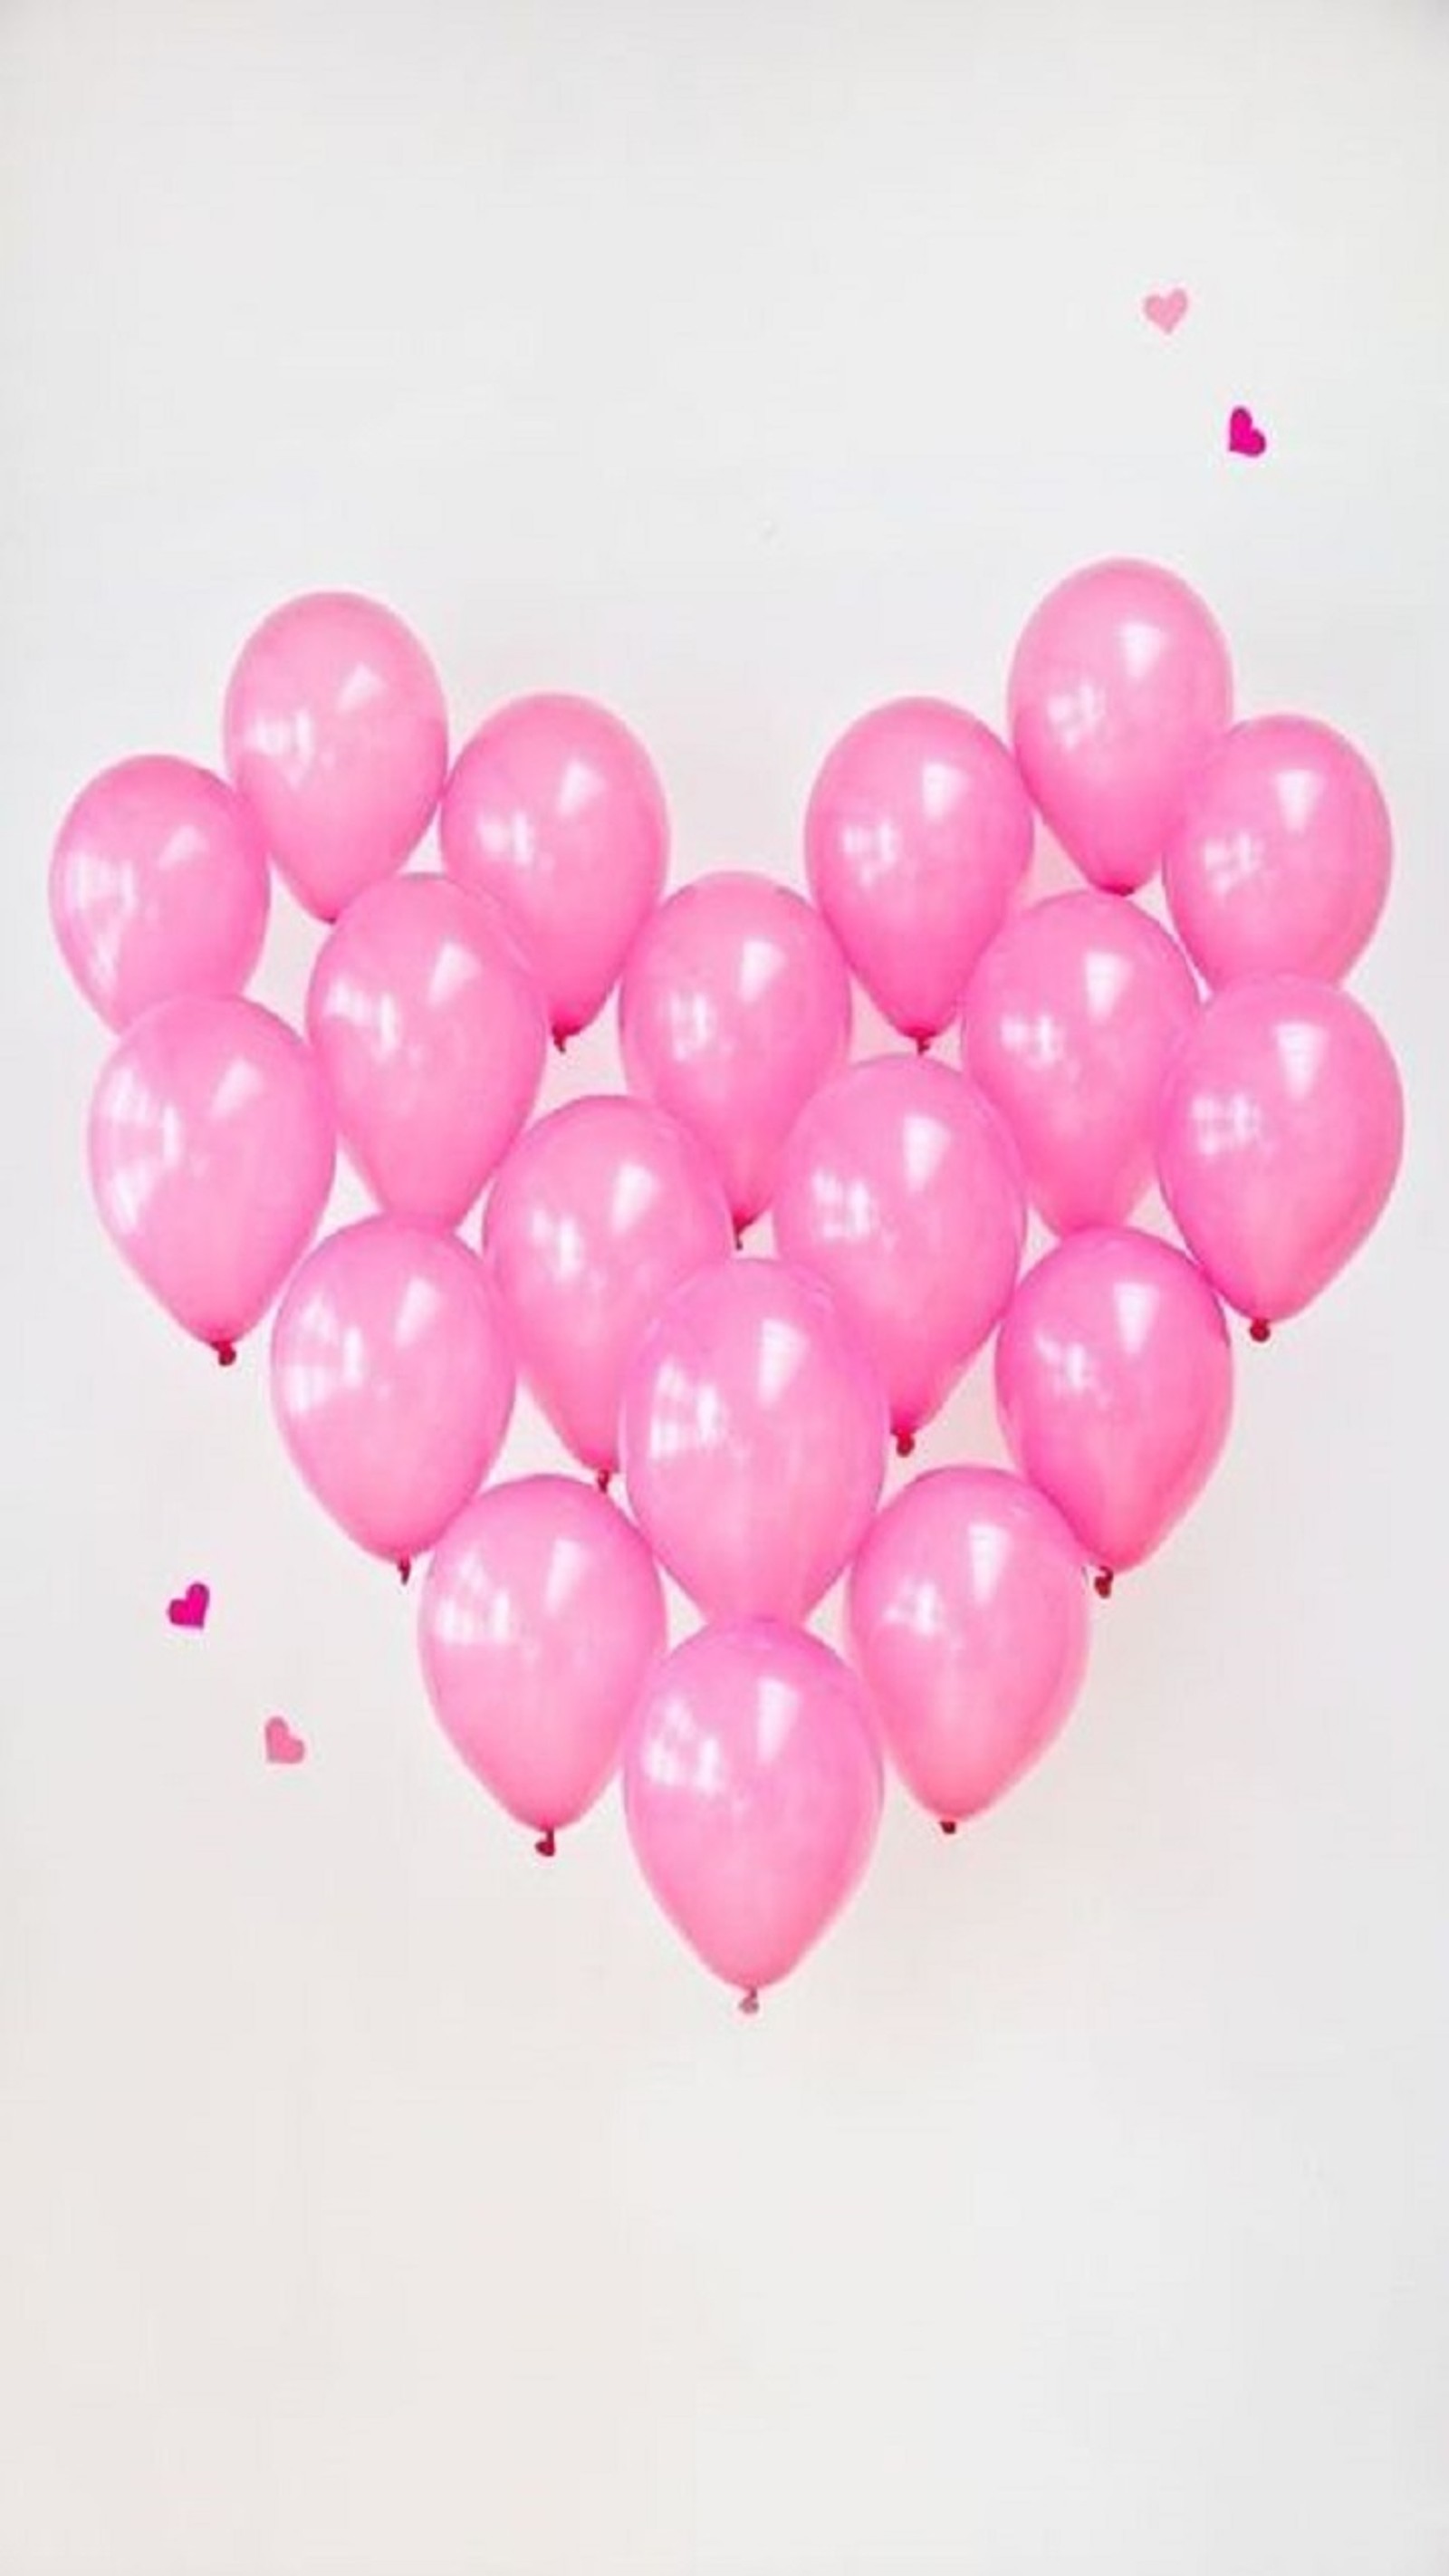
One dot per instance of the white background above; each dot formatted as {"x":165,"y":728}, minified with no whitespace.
{"x":372,"y":2199}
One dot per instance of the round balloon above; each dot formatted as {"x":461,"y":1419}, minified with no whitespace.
{"x":1280,"y":1138}
{"x":1119,"y":685}
{"x":735,"y":1007}
{"x":917,"y":836}
{"x":600,"y":1210}
{"x":901,"y":1190}
{"x":752,"y":1430}
{"x":211,"y":1155}
{"x":1280,"y":853}
{"x":1074,"y":1015}
{"x":392,"y":1381}
{"x":554,"y":808}
{"x":431,"y":1031}
{"x":1114,"y":1379}
{"x":541,"y":1618}
{"x":337,"y":737}
{"x":752,"y":1790}
{"x":967,"y":1616}
{"x":158,"y":887}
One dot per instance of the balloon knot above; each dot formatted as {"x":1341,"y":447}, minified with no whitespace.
{"x":1260,"y":1330}
{"x":739,"y":1238}
{"x":404,"y":1569}
{"x":546,"y":1845}
{"x":905,"y":1444}
{"x":948,"y":1824}
{"x":604,"y":1479}
{"x":561,"y":1041}
{"x":225,"y":1354}
{"x":750,"y":2001}
{"x":1102,"y":1582}
{"x":923,"y":1045}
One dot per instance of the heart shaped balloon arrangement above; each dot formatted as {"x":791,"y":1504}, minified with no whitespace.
{"x":747,"y":1401}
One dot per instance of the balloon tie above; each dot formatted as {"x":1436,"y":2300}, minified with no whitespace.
{"x":225,"y":1354}
{"x":948,"y":1824}
{"x":923,"y":1046}
{"x":750,"y":2001}
{"x":1260,"y":1330}
{"x":604,"y":1479}
{"x":404,"y":1569}
{"x":561,"y":1041}
{"x":1102,"y":1583}
{"x":546,"y":1845}
{"x":905,"y":1444}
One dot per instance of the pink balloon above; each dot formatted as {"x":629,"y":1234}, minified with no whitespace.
{"x":1073,"y":1017}
{"x":431,"y":1031}
{"x":541,"y":1618}
{"x":735,"y":1007}
{"x":554,"y":808}
{"x":1119,"y":685}
{"x":337,"y":737}
{"x":158,"y":887}
{"x":968,"y":1624}
{"x":901,"y":1190}
{"x":917,"y":836}
{"x":1114,"y":1380}
{"x":600,"y":1210}
{"x":1281,"y":1134}
{"x":1280,"y":853}
{"x":753,"y":1433}
{"x":211,"y":1156}
{"x":392,"y":1381}
{"x":752,"y":1789}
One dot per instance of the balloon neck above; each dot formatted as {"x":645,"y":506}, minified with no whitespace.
{"x":948,"y":1824}
{"x":1260,"y":1330}
{"x":739,"y":1238}
{"x":750,"y":2002}
{"x":561,"y":1041}
{"x":404,"y":1569}
{"x":923,"y":1045}
{"x":905,"y":1444}
{"x":604,"y":1479}
{"x":546,"y":1845}
{"x":225,"y":1354}
{"x":1103,"y":1581}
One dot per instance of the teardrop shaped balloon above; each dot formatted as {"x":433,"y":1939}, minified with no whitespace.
{"x":392,"y":1381}
{"x":1280,"y":853}
{"x":735,"y":1007}
{"x":158,"y":887}
{"x":752,"y":1790}
{"x":1073,"y":1017}
{"x":753,"y":1439}
{"x":1114,"y":1379}
{"x":1119,"y":685}
{"x":1280,"y":1137}
{"x":211,"y":1155}
{"x":554,"y":808}
{"x":337,"y":738}
{"x":541,"y":1618}
{"x":917,"y":837}
{"x":432,"y":1033}
{"x":900,"y":1188}
{"x":968,"y":1623}
{"x":600,"y":1210}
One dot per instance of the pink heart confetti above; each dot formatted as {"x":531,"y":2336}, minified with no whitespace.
{"x":1165,"y":311}
{"x":1245,"y":438}
{"x":281,"y":1744}
{"x":188,"y":1609}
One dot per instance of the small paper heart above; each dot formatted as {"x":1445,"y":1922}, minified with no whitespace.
{"x":281,"y":1744}
{"x":1165,"y":311}
{"x":189,"y":1608}
{"x":1245,"y":438}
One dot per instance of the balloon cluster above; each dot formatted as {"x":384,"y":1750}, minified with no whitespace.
{"x":746,"y":1400}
